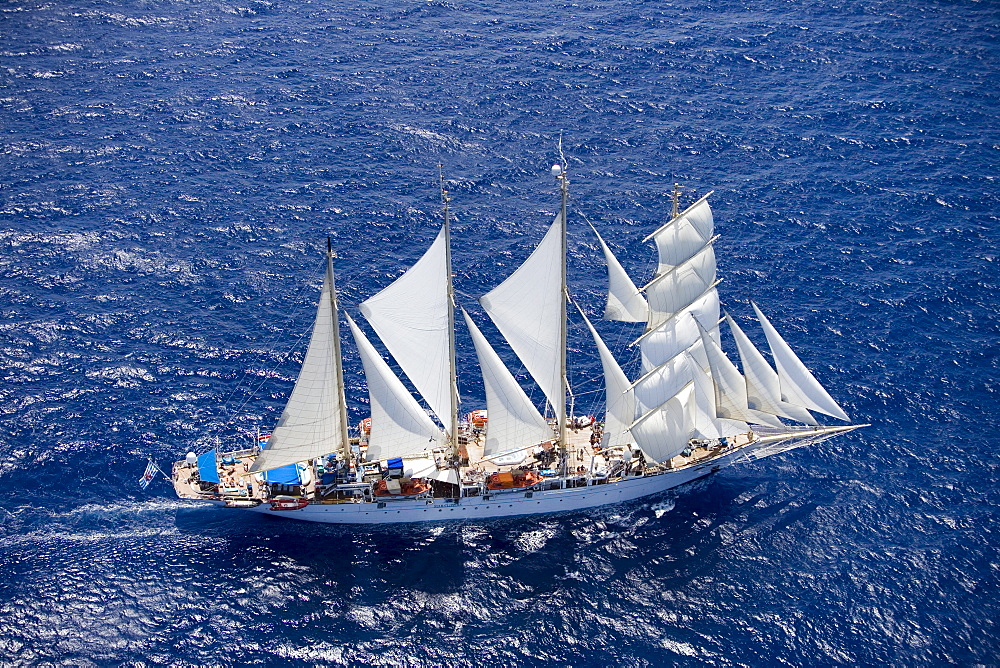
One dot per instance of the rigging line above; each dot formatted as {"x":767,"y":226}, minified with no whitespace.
{"x":230,"y":414}
{"x":261,"y":353}
{"x":266,"y":349}
{"x":266,"y":378}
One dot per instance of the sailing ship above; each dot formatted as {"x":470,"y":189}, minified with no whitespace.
{"x":690,"y":413}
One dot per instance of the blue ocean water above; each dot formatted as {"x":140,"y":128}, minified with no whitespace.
{"x":171,"y":171}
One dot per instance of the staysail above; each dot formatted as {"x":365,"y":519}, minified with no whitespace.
{"x":399,"y":425}
{"x":625,"y":302}
{"x":411,"y":317}
{"x":514,"y":422}
{"x":619,"y":395}
{"x":763,"y":386}
{"x":313,"y":422}
{"x":798,"y":385}
{"x":731,"y":388}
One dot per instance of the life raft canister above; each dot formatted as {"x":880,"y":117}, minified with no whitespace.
{"x":366,"y":426}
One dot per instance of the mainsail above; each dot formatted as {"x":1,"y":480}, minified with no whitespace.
{"x":411,"y":317}
{"x":528,"y":310}
{"x":313,"y":422}
{"x":399,"y":425}
{"x":514,"y":422}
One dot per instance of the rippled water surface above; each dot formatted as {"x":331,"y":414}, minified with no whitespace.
{"x":171,"y":171}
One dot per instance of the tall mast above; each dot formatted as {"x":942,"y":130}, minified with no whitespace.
{"x":452,"y":366}
{"x":345,"y":445}
{"x":677,"y":198}
{"x":559,"y":171}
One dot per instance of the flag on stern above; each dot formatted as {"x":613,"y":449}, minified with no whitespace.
{"x":147,"y":477}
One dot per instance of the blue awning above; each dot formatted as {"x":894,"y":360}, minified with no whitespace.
{"x":286,"y":475}
{"x":207,"y":469}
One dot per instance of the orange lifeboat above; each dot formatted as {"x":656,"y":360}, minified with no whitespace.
{"x":397,"y":489}
{"x":478,"y":419}
{"x":513,"y":480}
{"x":288,"y":503}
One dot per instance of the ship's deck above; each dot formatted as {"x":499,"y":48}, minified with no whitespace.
{"x":584,"y":464}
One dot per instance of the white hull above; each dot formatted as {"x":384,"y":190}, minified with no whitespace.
{"x":513,"y":503}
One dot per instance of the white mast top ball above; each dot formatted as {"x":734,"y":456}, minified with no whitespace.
{"x":557,"y":170}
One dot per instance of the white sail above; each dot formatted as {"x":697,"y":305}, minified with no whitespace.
{"x":664,"y":431}
{"x":620,"y":399}
{"x":527,"y":309}
{"x":680,"y":332}
{"x":664,"y":381}
{"x":625,"y":302}
{"x":705,"y":420}
{"x":514,"y":422}
{"x":671,"y":292}
{"x":690,"y":366}
{"x":399,"y":425}
{"x":763,"y":387}
{"x":310,"y":424}
{"x":798,"y":385}
{"x":685,"y":235}
{"x":410,"y":316}
{"x":731,"y":388}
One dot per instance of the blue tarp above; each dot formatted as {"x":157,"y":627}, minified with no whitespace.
{"x":286,"y":475}
{"x":207,"y":469}
{"x":396,"y":463}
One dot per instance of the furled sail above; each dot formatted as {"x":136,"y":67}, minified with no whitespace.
{"x":620,"y":399}
{"x":399,"y":425}
{"x":625,"y":302}
{"x":763,"y":386}
{"x":514,"y":421}
{"x":311,"y":422}
{"x":527,"y":309}
{"x":410,"y":316}
{"x":798,"y":385}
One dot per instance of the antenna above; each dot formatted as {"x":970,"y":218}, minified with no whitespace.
{"x":444,"y":191}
